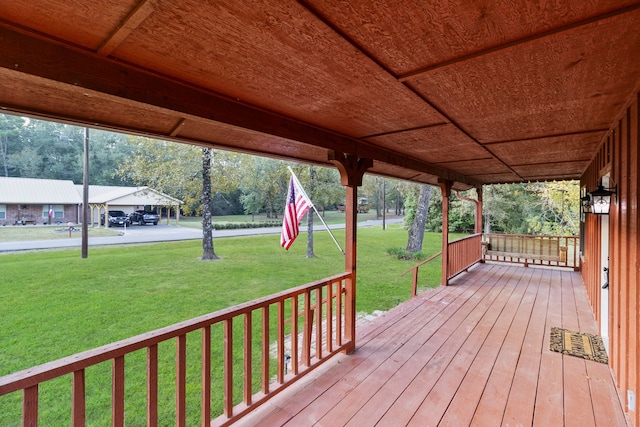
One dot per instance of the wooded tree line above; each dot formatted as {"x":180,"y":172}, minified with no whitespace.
{"x":248,"y":184}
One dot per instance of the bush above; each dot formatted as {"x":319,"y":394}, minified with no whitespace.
{"x":238,"y":225}
{"x":402,"y":253}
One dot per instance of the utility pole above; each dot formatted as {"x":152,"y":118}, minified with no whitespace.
{"x":85,"y":195}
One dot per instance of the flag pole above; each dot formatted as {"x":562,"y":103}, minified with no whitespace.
{"x":314,"y":208}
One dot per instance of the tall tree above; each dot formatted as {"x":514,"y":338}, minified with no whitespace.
{"x":107,"y":151}
{"x":207,"y":229}
{"x":10,"y":136}
{"x":416,"y":229}
{"x":264,"y":185}
{"x":172,"y":168}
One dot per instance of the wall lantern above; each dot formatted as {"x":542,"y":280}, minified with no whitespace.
{"x":601,"y":200}
{"x":585,"y":203}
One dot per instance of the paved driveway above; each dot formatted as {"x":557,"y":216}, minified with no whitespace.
{"x":156,"y":233}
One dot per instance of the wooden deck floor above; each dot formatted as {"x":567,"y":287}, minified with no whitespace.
{"x":474,"y":353}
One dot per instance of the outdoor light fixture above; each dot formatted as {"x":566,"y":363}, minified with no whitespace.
{"x":601,"y":200}
{"x":586,"y":204}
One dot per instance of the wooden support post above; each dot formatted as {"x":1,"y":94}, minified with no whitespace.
{"x":478,"y":219}
{"x":352,"y":170}
{"x":445,"y":187}
{"x":478,"y":222}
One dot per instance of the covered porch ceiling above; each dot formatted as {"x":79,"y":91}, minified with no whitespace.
{"x":477,"y":92}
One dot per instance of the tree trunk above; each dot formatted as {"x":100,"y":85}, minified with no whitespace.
{"x":207,"y":229}
{"x":378,"y":211}
{"x":3,"y":149}
{"x":310,"y":253}
{"x":416,"y":231}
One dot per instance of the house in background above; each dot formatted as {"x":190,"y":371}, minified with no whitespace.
{"x":47,"y":201}
{"x":128,"y":199}
{"x":38,"y":201}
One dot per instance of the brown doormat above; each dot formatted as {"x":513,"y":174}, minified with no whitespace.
{"x":587,"y":346}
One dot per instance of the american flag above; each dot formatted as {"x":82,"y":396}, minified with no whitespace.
{"x":296,"y":206}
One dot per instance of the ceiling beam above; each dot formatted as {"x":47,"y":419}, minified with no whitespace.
{"x":124,"y":28}
{"x":20,"y":52}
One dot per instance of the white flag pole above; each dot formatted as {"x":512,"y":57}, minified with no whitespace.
{"x":314,"y":208}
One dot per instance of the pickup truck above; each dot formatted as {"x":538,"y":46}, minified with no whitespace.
{"x":144,"y":217}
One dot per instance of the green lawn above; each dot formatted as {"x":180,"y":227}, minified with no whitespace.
{"x":55,"y":303}
{"x":47,"y":232}
{"x":330,"y":217}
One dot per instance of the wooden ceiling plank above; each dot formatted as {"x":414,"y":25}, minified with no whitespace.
{"x":34,"y":56}
{"x":551,"y":135}
{"x":457,"y":125}
{"x":124,"y":28}
{"x":80,"y":69}
{"x":417,"y":73}
{"x":395,"y":158}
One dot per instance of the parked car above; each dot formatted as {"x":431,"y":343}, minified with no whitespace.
{"x":116,"y":218}
{"x":144,"y":217}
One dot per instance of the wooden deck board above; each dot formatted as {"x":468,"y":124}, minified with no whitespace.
{"x":522,"y":397}
{"x":492,"y":403}
{"x":474,"y":353}
{"x":460,"y":412}
{"x":440,"y":397}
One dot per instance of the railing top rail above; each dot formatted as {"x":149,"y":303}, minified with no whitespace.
{"x":531,"y":235}
{"x":422,"y":263}
{"x":470,"y":236}
{"x":66,"y":365}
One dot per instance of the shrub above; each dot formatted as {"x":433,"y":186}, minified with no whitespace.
{"x":238,"y":225}
{"x":402,"y":253}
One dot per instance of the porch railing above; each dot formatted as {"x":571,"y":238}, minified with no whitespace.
{"x":308,"y":322}
{"x":463,"y":253}
{"x":414,"y":269}
{"x":552,"y":251}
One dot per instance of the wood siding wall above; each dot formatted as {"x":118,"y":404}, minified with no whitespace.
{"x":618,"y":156}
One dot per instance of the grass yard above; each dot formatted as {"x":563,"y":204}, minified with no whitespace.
{"x":48,"y":232}
{"x":330,"y":217}
{"x":56,"y":304}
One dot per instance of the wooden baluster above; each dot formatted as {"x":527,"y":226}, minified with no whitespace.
{"x":117,"y":392}
{"x":330,"y":317}
{"x":294,"y":335}
{"x":206,"y":377}
{"x":339,"y":331}
{"x":228,"y":367}
{"x":280,"y":342}
{"x":265,"y":349}
{"x":30,"y":407}
{"x":78,"y":399}
{"x":306,"y":337}
{"x":319,"y":323}
{"x":181,"y":381}
{"x":248,"y":365}
{"x":152,"y":385}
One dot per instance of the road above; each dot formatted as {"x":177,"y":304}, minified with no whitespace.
{"x":159,"y":233}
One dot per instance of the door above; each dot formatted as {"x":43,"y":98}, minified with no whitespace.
{"x":604,"y":274}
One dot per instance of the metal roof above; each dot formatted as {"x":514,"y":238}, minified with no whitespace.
{"x":128,"y":195}
{"x":51,"y":191}
{"x":38,"y":191}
